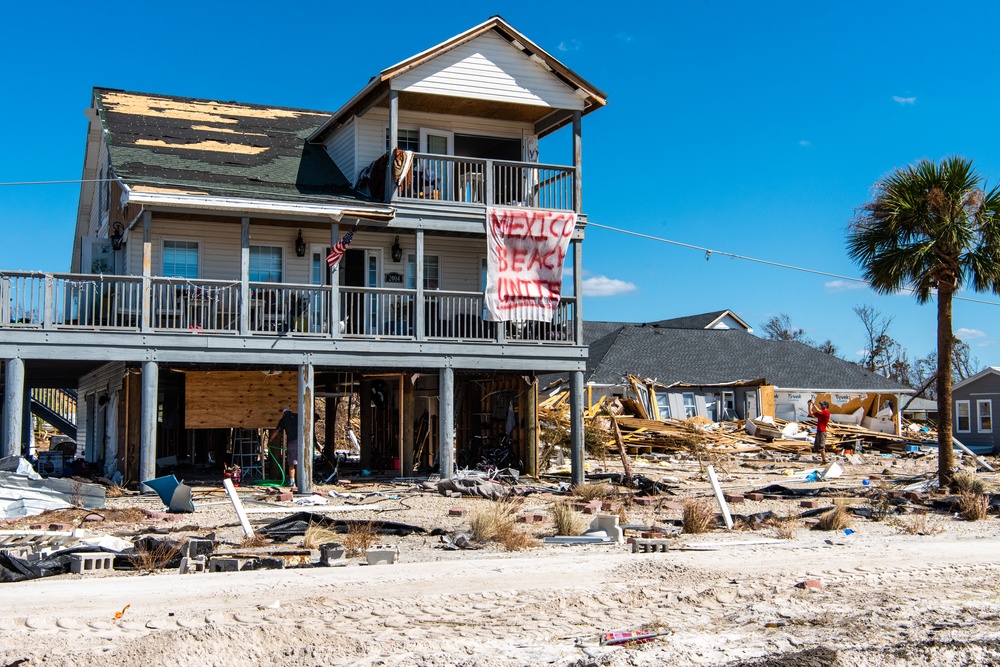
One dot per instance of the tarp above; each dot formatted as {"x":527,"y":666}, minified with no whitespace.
{"x":526,"y":250}
{"x":298,"y":523}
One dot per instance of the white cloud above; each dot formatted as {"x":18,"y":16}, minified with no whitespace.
{"x":904,"y":100}
{"x":805,"y":143}
{"x":604,"y":286}
{"x":861,"y":353}
{"x":843,"y":285}
{"x":570,"y":45}
{"x":966,"y":334}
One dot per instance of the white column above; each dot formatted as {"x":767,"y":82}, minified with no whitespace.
{"x":446,"y":421}
{"x":303,"y":471}
{"x":576,"y":426}
{"x":147,"y":423}
{"x":13,"y":405}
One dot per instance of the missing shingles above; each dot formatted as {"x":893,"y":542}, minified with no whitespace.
{"x":226,"y":130}
{"x":206,"y":112}
{"x":212,"y":146}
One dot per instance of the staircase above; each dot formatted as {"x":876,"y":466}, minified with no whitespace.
{"x":57,"y":407}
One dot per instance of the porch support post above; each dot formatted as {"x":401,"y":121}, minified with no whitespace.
{"x":27,"y":426}
{"x":446,"y":421}
{"x":303,"y":471}
{"x":421,"y":307}
{"x":576,"y":426}
{"x":245,"y":276}
{"x":577,"y":291}
{"x":147,"y":437}
{"x":531,"y":427}
{"x":367,"y":427}
{"x":578,"y":161}
{"x":334,"y":272}
{"x":390,"y":190}
{"x":13,"y":404}
{"x":409,"y":408}
{"x":145,"y":321}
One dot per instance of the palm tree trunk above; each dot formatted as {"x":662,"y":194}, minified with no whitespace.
{"x":945,"y":343}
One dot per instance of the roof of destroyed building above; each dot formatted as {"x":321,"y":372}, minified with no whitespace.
{"x":717,"y":356}
{"x":185,"y":146}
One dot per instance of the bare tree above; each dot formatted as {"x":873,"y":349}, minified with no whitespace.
{"x":828,"y":348}
{"x":779,"y":327}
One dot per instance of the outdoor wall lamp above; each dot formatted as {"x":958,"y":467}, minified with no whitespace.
{"x":118,"y":236}
{"x":397,"y":252}
{"x":300,"y":245}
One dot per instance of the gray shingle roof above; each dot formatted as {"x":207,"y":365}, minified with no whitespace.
{"x":689,"y":321}
{"x":707,"y":357}
{"x":162,"y":143}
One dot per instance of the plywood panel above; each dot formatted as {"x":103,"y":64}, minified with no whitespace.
{"x":238,"y":399}
{"x":767,"y":400}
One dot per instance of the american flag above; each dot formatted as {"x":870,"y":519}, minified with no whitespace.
{"x":339,"y":248}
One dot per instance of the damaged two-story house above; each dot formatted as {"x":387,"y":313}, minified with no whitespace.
{"x":201,"y":300}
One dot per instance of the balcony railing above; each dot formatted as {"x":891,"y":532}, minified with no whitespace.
{"x":95,"y":302}
{"x":489,"y":182}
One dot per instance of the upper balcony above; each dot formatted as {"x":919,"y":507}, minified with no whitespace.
{"x":66,"y":302}
{"x":489,"y":182}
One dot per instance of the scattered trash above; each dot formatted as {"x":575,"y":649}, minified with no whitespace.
{"x":175,"y":495}
{"x":119,"y":614}
{"x":620,"y":637}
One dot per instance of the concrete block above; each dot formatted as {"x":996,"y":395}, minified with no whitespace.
{"x":607,"y":506}
{"x":773,"y":496}
{"x":645,"y":501}
{"x":672,"y":505}
{"x":754,"y":496}
{"x":332,"y":554}
{"x":650,"y":546}
{"x":270,"y":563}
{"x":285,"y":496}
{"x":457,"y":511}
{"x":89,"y":563}
{"x":590,"y":509}
{"x":193,"y":565}
{"x":381,"y":554}
{"x":809,"y":504}
{"x":224,"y":565}
{"x":197,"y":547}
{"x":531,"y":517}
{"x":733,"y":497}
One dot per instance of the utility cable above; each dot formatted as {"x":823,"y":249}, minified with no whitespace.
{"x":711,"y":251}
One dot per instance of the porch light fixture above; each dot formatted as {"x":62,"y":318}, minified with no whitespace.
{"x":118,"y":236}
{"x":397,"y":252}
{"x":300,"y":245}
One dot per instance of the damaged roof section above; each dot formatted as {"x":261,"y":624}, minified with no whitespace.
{"x":185,"y":146}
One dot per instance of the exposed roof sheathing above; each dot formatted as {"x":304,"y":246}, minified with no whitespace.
{"x":186,"y":146}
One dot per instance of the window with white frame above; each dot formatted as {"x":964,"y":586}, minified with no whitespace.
{"x":690,"y":406}
{"x":984,"y":413}
{"x":963,"y":417}
{"x":180,"y":259}
{"x":265,"y":264}
{"x":406,"y":140}
{"x":663,"y":404}
{"x":431,"y":272}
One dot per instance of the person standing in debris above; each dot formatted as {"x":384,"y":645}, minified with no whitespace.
{"x":289,"y":423}
{"x":822,"y":415}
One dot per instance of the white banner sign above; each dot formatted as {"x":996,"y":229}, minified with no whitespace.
{"x":526,"y":252}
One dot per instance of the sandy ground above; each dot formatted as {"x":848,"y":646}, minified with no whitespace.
{"x":888,"y":597}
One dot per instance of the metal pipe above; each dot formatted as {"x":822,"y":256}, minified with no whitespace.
{"x":13,"y":389}
{"x":446,"y":421}
{"x":576,"y":426}
{"x":147,"y":437}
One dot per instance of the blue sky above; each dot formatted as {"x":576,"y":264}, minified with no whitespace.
{"x":754,"y":128}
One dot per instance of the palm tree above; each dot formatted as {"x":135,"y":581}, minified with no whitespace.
{"x":931,"y":228}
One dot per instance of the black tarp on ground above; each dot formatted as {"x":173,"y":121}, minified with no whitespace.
{"x":14,"y":569}
{"x":298,"y":523}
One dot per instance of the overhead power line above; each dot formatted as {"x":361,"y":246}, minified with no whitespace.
{"x":711,"y":251}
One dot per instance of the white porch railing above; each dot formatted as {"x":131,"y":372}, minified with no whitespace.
{"x":89,"y":302}
{"x":489,"y":182}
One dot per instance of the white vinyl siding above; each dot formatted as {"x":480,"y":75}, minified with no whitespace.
{"x":984,"y":415}
{"x":489,"y":68}
{"x":341,"y":148}
{"x":963,"y":417}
